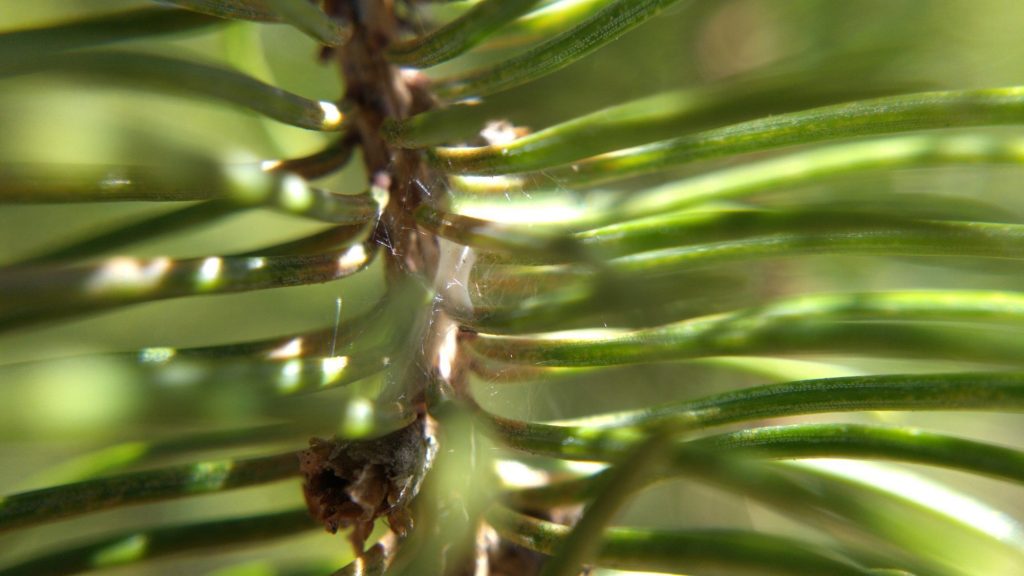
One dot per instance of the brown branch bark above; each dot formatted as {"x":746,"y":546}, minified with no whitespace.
{"x":378,"y":91}
{"x":352,"y":483}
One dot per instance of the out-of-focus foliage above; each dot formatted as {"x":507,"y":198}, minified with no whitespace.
{"x":756,"y":213}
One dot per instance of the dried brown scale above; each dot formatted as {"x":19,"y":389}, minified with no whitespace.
{"x":352,"y":483}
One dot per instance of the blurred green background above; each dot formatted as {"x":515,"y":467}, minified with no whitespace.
{"x":50,"y":411}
